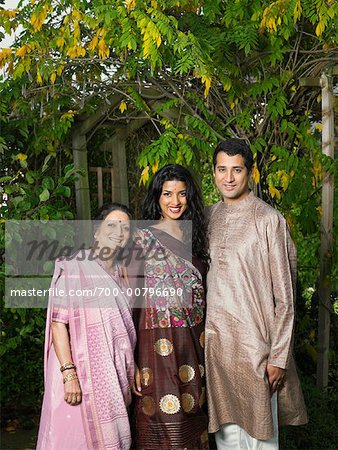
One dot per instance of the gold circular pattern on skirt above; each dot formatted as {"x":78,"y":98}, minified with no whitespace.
{"x":146,"y":376}
{"x":170,"y":404}
{"x":201,"y":370}
{"x":202,"y":339}
{"x":188,"y":402}
{"x":186,"y":373}
{"x":148,"y":405}
{"x":163,"y":347}
{"x":202,"y":397}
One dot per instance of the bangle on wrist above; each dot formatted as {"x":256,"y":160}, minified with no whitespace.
{"x":70,"y":377}
{"x":66,"y":366}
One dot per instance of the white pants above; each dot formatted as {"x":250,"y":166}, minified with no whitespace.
{"x":232,"y":437}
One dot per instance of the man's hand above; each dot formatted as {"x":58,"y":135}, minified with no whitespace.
{"x":275,"y":377}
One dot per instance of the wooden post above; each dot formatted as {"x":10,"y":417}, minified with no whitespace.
{"x":99,"y":186}
{"x":82,"y":197}
{"x":326,"y":247}
{"x":120,"y":167}
{"x":117,"y":145}
{"x":112,"y":183}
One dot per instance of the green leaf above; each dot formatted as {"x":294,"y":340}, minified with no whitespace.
{"x":16,"y":201}
{"x":45,"y":164}
{"x":44,"y":196}
{"x":30,"y":177}
{"x":5,"y":179}
{"x":48,"y":183}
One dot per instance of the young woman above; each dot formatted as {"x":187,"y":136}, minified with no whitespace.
{"x":170,"y":382}
{"x":89,"y":345}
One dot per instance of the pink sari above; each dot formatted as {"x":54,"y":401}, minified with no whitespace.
{"x":102,"y":339}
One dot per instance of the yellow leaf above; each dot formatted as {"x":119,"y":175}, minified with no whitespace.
{"x":61,"y":42}
{"x":9,"y":13}
{"x":123,"y":106}
{"x":234,"y":103}
{"x":37,"y":20}
{"x":72,"y":51}
{"x":38,"y":77}
{"x":154,"y":167}
{"x":319,"y":127}
{"x":93,"y":43}
{"x":59,"y":70}
{"x":256,"y":176}
{"x":285,"y":181}
{"x":22,"y":157}
{"x":76,"y":15}
{"x":76,"y":51}
{"x":227,"y":85}
{"x":103,"y":49}
{"x":67,"y":116}
{"x":144,"y":175}
{"x":274,"y":192}
{"x":207,"y":83}
{"x":317,"y":170}
{"x":81,"y":51}
{"x":130,"y":4}
{"x":158,"y":40}
{"x":53,"y":77}
{"x":297,"y":12}
{"x":320,"y":28}
{"x":23,"y":50}
{"x":77,"y":32}
{"x":154,"y":4}
{"x":180,"y":136}
{"x":5,"y":54}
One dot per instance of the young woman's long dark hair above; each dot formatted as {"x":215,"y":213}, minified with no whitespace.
{"x":194,"y":212}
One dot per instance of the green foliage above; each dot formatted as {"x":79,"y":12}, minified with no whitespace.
{"x":39,"y":194}
{"x":321,"y":432}
{"x":35,"y":195}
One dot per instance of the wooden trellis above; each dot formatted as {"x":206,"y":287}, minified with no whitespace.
{"x":100,"y":172}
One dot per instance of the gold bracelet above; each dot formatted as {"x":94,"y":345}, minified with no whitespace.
{"x":70,"y":377}
{"x":67,"y":365}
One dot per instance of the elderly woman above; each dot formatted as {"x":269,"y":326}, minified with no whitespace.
{"x":90,"y":338}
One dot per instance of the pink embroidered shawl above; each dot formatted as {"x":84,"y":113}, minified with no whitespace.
{"x":102,"y":339}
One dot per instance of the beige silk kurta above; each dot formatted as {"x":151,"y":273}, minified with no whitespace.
{"x":250,"y":317}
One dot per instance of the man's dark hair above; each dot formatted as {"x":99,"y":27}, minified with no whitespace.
{"x":234,"y":147}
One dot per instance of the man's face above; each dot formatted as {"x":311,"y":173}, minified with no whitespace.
{"x":231,"y":177}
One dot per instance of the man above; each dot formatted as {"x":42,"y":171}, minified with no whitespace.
{"x":251,"y":378}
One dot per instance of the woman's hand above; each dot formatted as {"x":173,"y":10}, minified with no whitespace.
{"x":72,"y":389}
{"x":136,"y":388}
{"x":73,"y":394}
